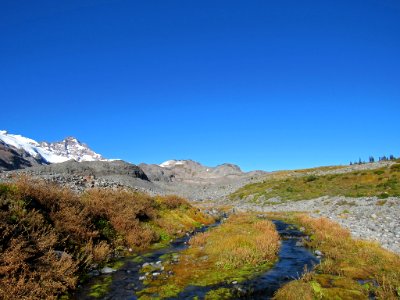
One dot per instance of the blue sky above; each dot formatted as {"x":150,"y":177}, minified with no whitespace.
{"x":263,"y":84}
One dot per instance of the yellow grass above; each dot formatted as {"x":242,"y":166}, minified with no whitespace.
{"x":346,"y":261}
{"x":243,"y":246}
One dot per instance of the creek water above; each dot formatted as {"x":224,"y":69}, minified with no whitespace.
{"x":293,"y":260}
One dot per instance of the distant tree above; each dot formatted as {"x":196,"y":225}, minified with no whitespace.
{"x":371,"y":159}
{"x":359,"y":161}
{"x":392,"y":157}
{"x":351,"y":163}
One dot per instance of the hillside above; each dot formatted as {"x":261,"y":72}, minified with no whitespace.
{"x":377,"y":179}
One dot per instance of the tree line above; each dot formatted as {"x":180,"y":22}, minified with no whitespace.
{"x":372,"y":159}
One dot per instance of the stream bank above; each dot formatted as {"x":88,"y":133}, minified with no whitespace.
{"x":294,"y":259}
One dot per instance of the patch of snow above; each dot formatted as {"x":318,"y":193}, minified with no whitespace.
{"x":30,"y":146}
{"x":170,"y":163}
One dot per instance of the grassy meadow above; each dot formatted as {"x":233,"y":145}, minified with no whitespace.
{"x":383,"y":183}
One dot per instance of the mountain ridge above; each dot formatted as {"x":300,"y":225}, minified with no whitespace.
{"x":18,"y":151}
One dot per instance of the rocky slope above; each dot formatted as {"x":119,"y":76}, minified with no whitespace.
{"x":197,"y":182}
{"x":84,"y":175}
{"x":12,"y":158}
{"x":18,"y":152}
{"x":189,"y":179}
{"x":367,"y":218}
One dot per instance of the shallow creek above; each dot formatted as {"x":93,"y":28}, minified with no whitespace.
{"x":294,"y":259}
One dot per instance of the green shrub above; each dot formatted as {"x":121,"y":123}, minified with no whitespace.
{"x":310,"y":178}
{"x":379,"y":172}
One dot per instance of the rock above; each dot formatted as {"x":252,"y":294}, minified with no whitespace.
{"x":141,"y":278}
{"x":374,"y":216}
{"x":107,"y":270}
{"x":318,"y":253}
{"x":61,"y":254}
{"x":93,"y":273}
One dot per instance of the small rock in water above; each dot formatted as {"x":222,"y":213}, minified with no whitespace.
{"x":94,"y":273}
{"x":145,"y":265}
{"x":234,"y":282}
{"x":374,"y":216}
{"x":141,"y":278}
{"x":299,"y":244}
{"x":318,"y":253}
{"x":155,"y":274}
{"x":107,"y":270}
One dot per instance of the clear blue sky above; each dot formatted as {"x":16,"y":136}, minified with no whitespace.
{"x":263,"y":84}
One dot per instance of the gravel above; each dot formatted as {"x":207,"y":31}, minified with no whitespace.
{"x":367,"y":218}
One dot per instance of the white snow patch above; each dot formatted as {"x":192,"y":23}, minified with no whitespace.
{"x":171,"y":163}
{"x":30,"y":146}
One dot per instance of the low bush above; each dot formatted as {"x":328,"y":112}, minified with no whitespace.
{"x":50,"y":235}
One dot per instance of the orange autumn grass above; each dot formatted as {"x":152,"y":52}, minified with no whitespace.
{"x":350,"y":269}
{"x":242,"y":246}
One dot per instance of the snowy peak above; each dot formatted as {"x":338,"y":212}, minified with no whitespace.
{"x":44,"y":152}
{"x":71,"y":148}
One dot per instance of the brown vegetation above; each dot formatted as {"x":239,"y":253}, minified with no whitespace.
{"x":50,"y":234}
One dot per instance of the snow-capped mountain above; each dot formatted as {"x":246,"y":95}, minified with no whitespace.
{"x":18,"y":151}
{"x":71,"y":148}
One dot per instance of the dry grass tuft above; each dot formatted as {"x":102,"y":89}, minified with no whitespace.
{"x":172,"y":201}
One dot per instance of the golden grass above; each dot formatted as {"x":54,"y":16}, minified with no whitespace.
{"x":346,"y":262}
{"x":242,"y":246}
{"x":50,"y":234}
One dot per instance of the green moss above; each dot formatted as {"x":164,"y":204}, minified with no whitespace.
{"x":105,"y":228}
{"x":221,"y":293}
{"x":100,"y":289}
{"x":136,"y":259}
{"x":117,"y":264}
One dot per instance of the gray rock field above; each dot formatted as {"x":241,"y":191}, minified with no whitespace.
{"x":367,"y":218}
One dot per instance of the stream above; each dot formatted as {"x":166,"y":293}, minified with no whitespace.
{"x":294,"y":258}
